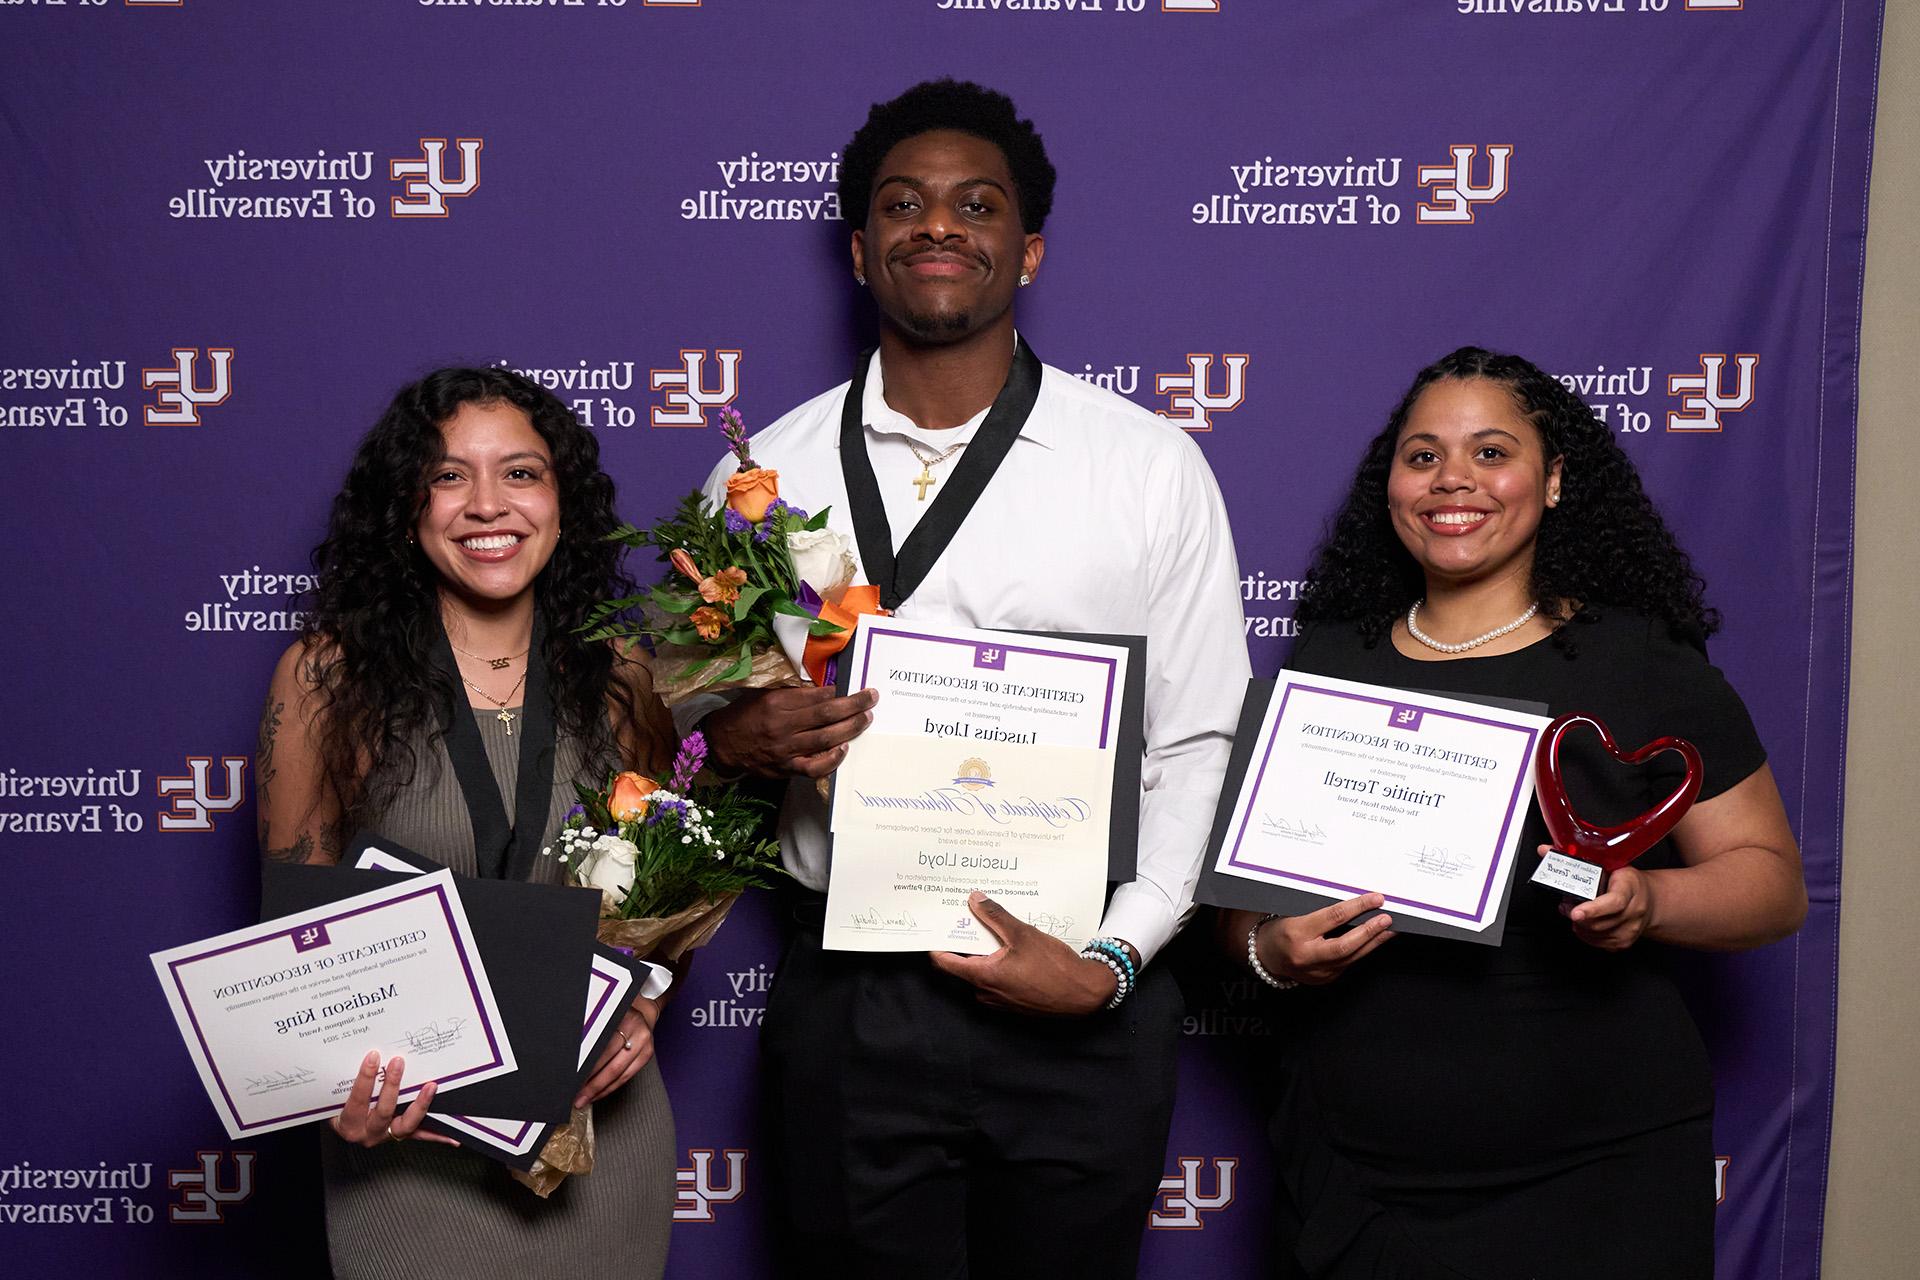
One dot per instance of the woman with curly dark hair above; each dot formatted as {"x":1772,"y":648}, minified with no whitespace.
{"x":441,"y":695}
{"x":1542,"y":1108}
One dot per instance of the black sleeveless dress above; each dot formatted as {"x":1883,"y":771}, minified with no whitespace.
{"x":1540,"y":1110}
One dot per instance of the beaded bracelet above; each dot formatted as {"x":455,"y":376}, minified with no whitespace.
{"x":1118,"y":950}
{"x":1122,"y":973}
{"x":1253,"y":959}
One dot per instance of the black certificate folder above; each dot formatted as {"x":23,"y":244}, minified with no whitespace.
{"x":537,"y":944}
{"x":1221,"y":889}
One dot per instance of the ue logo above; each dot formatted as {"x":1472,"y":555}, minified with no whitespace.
{"x":1189,"y":6}
{"x":1455,"y":192}
{"x":203,"y":1198}
{"x":194,"y":802}
{"x":1180,"y":1202}
{"x":178,"y":394}
{"x":425,"y":181}
{"x":1705,"y":398}
{"x":1720,"y":1164}
{"x":1191,"y":397}
{"x":697,"y":1193}
{"x":688,"y":397}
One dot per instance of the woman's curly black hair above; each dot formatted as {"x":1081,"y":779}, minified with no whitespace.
{"x":368,"y":637}
{"x":964,"y":107}
{"x":1603,"y":544}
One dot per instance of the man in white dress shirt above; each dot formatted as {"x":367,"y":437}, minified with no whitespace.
{"x":987,"y":1115}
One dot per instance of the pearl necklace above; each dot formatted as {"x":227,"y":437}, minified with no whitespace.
{"x":1414,"y":630}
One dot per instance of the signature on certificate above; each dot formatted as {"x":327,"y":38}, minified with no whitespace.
{"x":273,"y":1081}
{"x":1437,"y":860}
{"x":1049,"y":923}
{"x":434,"y":1037}
{"x":1294,"y":829}
{"x":873,"y":919}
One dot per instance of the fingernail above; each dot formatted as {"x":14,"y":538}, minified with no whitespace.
{"x":580,"y":1102}
{"x":976,"y":896}
{"x":1386,"y":922}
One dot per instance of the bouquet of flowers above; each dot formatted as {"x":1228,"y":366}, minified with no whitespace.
{"x":669,"y":857}
{"x":759,"y":591}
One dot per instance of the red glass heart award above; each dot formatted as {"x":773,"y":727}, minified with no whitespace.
{"x":1584,"y":854}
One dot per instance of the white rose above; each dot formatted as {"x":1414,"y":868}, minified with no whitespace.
{"x":609,"y":868}
{"x":822,"y":560}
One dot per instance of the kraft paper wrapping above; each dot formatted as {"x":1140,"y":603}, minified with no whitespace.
{"x":679,"y":671}
{"x":569,"y":1149}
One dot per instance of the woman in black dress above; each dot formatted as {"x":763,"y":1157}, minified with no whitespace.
{"x":1542,"y":1108}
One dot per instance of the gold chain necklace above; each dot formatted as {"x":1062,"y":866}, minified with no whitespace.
{"x":498,"y":664}
{"x":505,"y":717}
{"x":924,"y":481}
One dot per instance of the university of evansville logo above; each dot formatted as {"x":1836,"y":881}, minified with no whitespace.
{"x":1704,"y":397}
{"x":194,"y":800}
{"x":202,"y":1197}
{"x":424,"y":181}
{"x":697,"y":1192}
{"x":1191,"y":399}
{"x":177,"y":393}
{"x":1454,"y":189}
{"x":1180,"y":1202}
{"x":688,"y":397}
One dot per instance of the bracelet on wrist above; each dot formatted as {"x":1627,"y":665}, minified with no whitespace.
{"x":1113,"y":953}
{"x":1253,"y":958}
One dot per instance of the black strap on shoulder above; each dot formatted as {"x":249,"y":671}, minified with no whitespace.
{"x":897,"y":576}
{"x":502,"y":850}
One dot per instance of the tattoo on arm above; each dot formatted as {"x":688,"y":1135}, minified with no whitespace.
{"x":263,"y":766}
{"x":300,"y":851}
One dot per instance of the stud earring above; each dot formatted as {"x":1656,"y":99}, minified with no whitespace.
{"x":1025,"y":279}
{"x":859,"y":279}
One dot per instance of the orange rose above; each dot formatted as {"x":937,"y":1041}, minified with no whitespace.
{"x":724,"y":586}
{"x":629,"y":798}
{"x":750,"y":493}
{"x":710,"y":622}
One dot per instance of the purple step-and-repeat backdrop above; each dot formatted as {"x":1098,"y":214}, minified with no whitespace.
{"x":228,"y":230}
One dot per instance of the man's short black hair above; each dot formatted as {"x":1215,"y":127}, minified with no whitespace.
{"x":962,"y":106}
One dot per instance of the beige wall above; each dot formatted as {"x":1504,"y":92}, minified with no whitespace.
{"x":1873,"y":1199}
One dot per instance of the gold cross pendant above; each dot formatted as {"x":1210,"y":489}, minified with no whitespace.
{"x":924,"y":481}
{"x":506,"y":718}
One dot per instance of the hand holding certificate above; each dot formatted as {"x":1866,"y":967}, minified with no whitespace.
{"x":1348,"y":789}
{"x":989,"y":766}
{"x":279,"y":1016}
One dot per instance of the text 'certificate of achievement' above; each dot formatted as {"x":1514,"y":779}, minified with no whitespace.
{"x":278,"y":1016}
{"x":989,"y":766}
{"x":1353,"y":788}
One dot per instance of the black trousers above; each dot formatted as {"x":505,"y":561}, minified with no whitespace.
{"x":923,"y":1136}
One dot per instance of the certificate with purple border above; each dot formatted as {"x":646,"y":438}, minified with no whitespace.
{"x":988,"y":687}
{"x":1353,"y":788}
{"x":278,"y":1016}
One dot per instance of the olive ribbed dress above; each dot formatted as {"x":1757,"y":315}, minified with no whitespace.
{"x":418,"y":1210}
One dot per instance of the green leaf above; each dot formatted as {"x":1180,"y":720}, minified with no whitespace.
{"x":818,"y":520}
{"x":789,"y":608}
{"x":739,"y":669}
{"x":747,"y":596}
{"x":673,"y":602}
{"x":822,"y":627}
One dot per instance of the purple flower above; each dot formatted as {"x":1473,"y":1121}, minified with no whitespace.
{"x":775,"y":509}
{"x":762,"y":533}
{"x":734,"y":428}
{"x":659,"y":811}
{"x":795,"y":512}
{"x":734,"y":522}
{"x":578,"y":811}
{"x":693,"y":754}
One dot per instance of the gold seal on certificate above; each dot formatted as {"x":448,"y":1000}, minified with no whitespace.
{"x":990,"y":765}
{"x":1351,"y":788}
